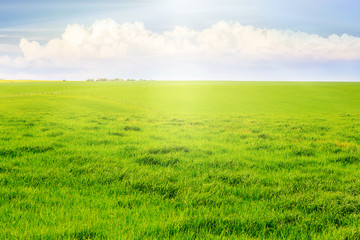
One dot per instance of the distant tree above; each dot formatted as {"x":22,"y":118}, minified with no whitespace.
{"x":109,"y":79}
{"x":115,"y":80}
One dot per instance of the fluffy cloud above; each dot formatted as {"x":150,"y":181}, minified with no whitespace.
{"x":224,"y":41}
{"x":226,"y":50}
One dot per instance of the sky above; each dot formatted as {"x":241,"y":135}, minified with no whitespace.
{"x":180,"y":40}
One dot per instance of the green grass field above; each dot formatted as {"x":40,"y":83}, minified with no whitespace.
{"x":179,"y":160}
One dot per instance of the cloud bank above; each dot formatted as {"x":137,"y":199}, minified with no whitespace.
{"x":226,"y":50}
{"x":106,"y":39}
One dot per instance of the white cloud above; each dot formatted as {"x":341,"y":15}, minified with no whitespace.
{"x":224,"y":41}
{"x":226,"y":50}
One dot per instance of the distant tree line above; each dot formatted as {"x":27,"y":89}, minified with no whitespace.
{"x":113,"y":80}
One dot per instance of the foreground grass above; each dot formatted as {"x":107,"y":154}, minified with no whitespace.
{"x":180,"y":160}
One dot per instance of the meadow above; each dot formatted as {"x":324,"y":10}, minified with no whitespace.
{"x":179,"y":160}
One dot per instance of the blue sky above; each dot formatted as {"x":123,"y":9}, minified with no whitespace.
{"x":43,"y":21}
{"x":321,"y":16}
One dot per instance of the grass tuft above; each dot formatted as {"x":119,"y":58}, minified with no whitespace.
{"x":132,"y":128}
{"x":169,"y":149}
